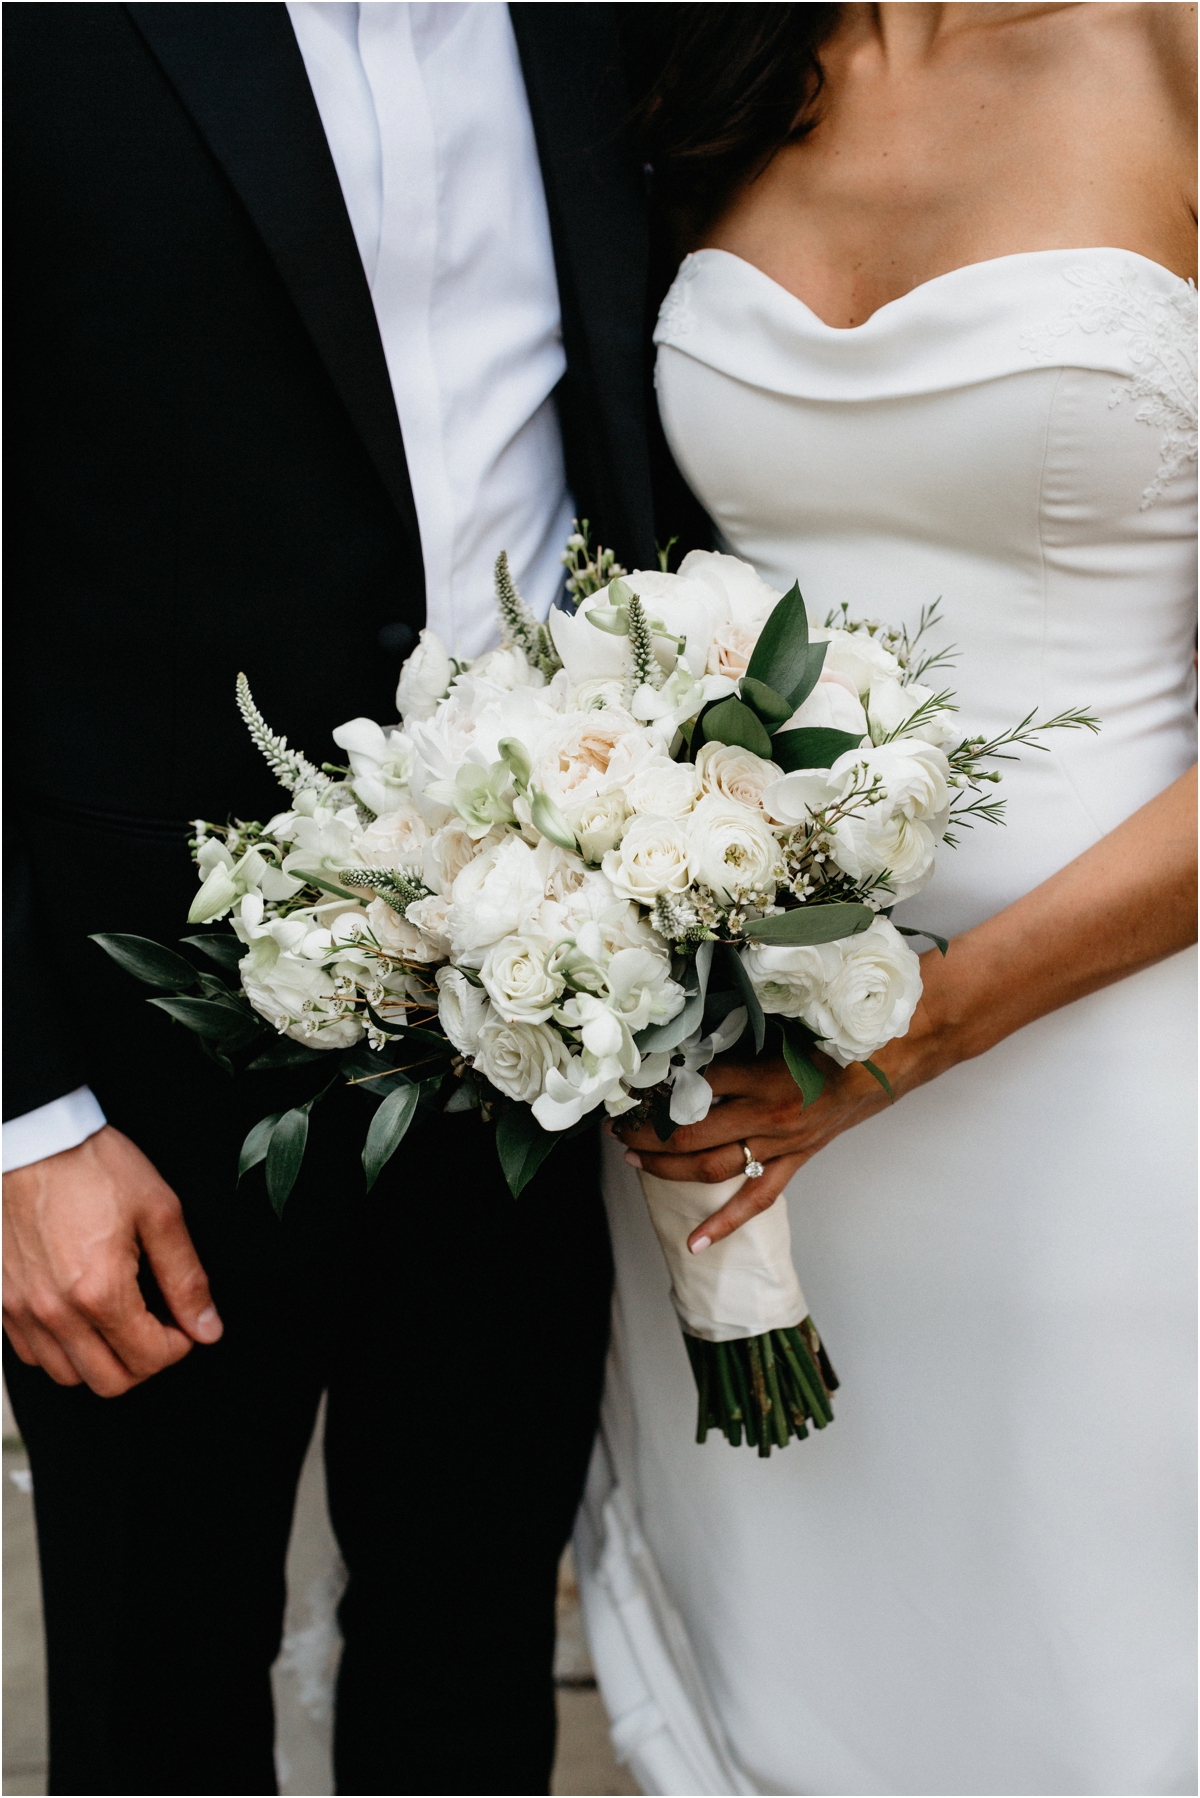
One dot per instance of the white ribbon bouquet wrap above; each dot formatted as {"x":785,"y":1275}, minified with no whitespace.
{"x":666,"y":821}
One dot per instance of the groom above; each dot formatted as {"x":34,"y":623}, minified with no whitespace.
{"x":313,"y":309}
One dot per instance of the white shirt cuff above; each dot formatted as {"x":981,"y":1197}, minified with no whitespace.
{"x":63,"y":1124}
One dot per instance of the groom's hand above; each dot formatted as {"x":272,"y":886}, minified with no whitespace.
{"x":75,"y":1225}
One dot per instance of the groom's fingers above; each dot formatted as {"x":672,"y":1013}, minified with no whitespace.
{"x":754,"y":1197}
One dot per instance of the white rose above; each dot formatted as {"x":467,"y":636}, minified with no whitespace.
{"x":652,"y":858}
{"x":395,"y":839}
{"x":830,"y":706}
{"x":666,"y":788}
{"x":730,"y":848}
{"x":872,"y":997}
{"x":734,"y":773}
{"x":748,"y":599}
{"x":396,"y":936}
{"x":731,"y":648}
{"x":518,"y":981}
{"x":790,"y":978}
{"x":463,"y":1009}
{"x":915,"y":776}
{"x":492,"y":898}
{"x":858,"y":656}
{"x":516,"y":1058}
{"x":890,"y":706}
{"x":424,"y":679}
{"x":597,"y":824}
{"x":866,"y":843}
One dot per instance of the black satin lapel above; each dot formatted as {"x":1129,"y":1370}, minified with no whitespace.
{"x":571,"y":61}
{"x":238,"y":70}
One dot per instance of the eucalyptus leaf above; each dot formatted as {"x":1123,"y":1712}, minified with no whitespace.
{"x":811,"y":924}
{"x":882,"y":1079}
{"x":930,"y":936}
{"x":813,"y":664}
{"x":388,"y":1127}
{"x":522,"y":1145}
{"x":147,"y":961}
{"x":258,"y":1141}
{"x":811,"y":747}
{"x":749,"y":998}
{"x":772,"y":708}
{"x":732,"y":722}
{"x":804,"y":1071}
{"x":781,"y":653}
{"x":220,"y":946}
{"x":285,"y":1152}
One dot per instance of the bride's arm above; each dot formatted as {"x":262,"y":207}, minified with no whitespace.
{"x":1127,"y":902}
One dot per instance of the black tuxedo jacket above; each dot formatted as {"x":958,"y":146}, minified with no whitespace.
{"x":206,"y":468}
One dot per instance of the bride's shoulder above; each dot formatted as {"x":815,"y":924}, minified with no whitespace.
{"x":1166,"y":35}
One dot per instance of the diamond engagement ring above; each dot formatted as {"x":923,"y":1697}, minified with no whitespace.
{"x":753,"y":1168}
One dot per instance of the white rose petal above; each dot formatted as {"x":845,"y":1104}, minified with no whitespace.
{"x":666,"y":788}
{"x":652,"y":858}
{"x":734,"y":773}
{"x":492,"y":897}
{"x":463,"y":1009}
{"x":516,"y":1058}
{"x":516,"y":977}
{"x":891,"y":705}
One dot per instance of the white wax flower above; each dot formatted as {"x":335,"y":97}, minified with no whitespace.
{"x":735,"y":773}
{"x":285,"y":978}
{"x":463,"y":1009}
{"x":651,"y":858}
{"x":516,"y":1058}
{"x":424,"y":679}
{"x":872,"y":997}
{"x":518,"y":981}
{"x":730,"y":848}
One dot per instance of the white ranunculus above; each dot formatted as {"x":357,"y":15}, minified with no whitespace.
{"x":395,"y":840}
{"x":516,"y":1058}
{"x":463,"y":1009}
{"x":730,"y":848}
{"x":872,"y":997}
{"x":396,"y":936}
{"x":795,"y":797}
{"x":666,"y":788}
{"x":890,"y":705}
{"x":597,"y":823}
{"x":424,"y":679}
{"x":866,"y":843}
{"x":651,"y":858}
{"x":915,"y":776}
{"x":380,"y":763}
{"x":830,"y":706}
{"x":748,"y":599}
{"x":731,"y":648}
{"x":595,"y":695}
{"x":790,"y":978}
{"x":492,"y":897}
{"x":858,"y":656}
{"x":735,"y":773}
{"x":518,"y":981}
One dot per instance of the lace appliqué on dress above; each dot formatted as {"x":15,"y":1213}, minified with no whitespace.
{"x":675,"y":313}
{"x":1162,"y":348}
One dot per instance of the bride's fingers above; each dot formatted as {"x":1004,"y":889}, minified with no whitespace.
{"x":728,"y":1123}
{"x":751,"y":1199}
{"x":711,"y":1165}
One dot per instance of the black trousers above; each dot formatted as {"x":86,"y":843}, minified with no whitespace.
{"x":460,"y":1336}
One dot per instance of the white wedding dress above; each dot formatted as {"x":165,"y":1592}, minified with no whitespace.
{"x":979,"y":1580}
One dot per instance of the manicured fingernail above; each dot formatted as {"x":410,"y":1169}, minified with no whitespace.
{"x":701,"y":1243}
{"x":208,"y":1324}
{"x":633,"y":1158}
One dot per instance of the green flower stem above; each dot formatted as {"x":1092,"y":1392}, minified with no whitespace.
{"x":767,"y":1388}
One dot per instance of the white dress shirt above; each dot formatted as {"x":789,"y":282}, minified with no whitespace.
{"x":425,"y":112}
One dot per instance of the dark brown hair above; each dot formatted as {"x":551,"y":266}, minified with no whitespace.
{"x":734,"y":85}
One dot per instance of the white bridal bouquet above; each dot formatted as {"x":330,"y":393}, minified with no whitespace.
{"x":668,"y":822}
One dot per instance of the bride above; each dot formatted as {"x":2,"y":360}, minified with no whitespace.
{"x":935,"y":337}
